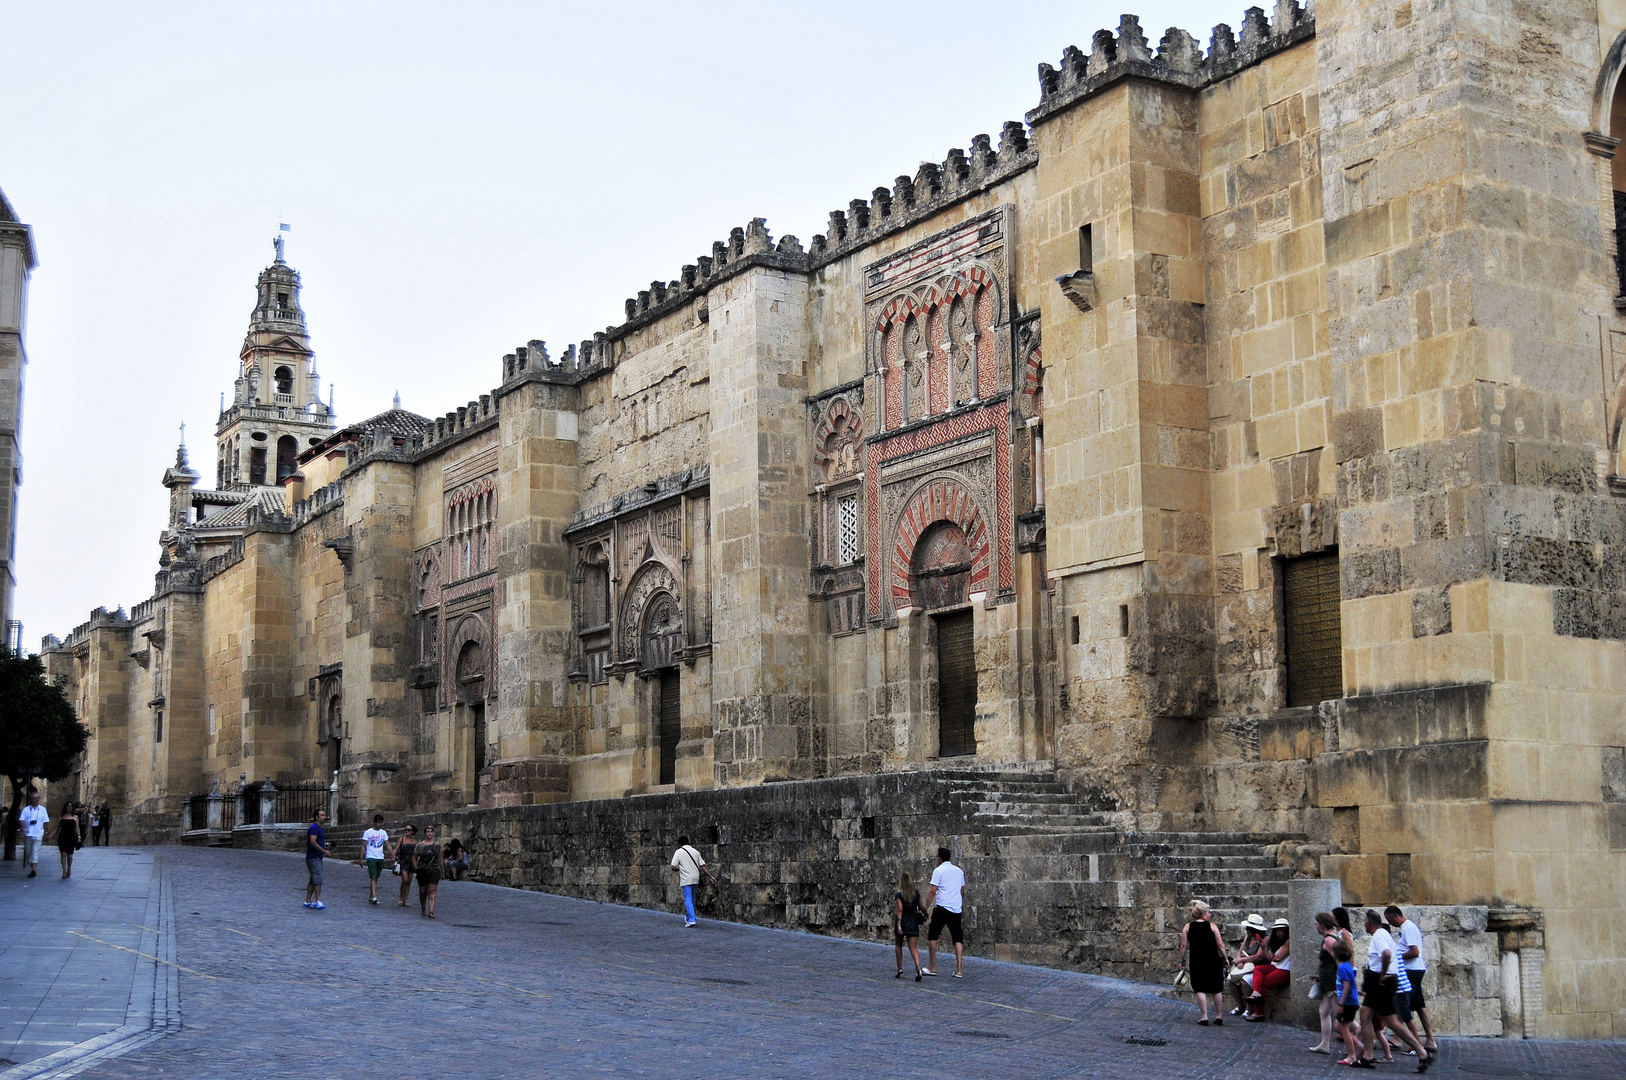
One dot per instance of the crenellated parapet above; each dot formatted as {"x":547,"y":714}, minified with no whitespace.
{"x":1179,"y":58}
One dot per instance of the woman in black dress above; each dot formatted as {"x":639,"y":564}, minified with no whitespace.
{"x":906,"y":916}
{"x":1203,"y":956}
{"x":427,"y":857}
{"x":67,"y":837}
{"x":405,"y":862}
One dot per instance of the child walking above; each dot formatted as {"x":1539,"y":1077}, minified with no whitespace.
{"x":1349,"y":1005}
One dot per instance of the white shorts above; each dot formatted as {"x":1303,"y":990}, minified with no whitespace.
{"x":31,"y":849}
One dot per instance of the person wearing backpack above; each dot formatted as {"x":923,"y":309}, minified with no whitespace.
{"x":688,"y":862}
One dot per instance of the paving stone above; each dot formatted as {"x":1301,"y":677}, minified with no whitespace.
{"x":508,"y":983}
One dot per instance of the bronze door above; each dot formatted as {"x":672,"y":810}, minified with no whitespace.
{"x":1315,"y":670}
{"x":956,"y":686}
{"x":671,"y":724}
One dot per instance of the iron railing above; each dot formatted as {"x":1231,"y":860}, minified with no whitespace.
{"x":248,"y":799}
{"x":200,"y":811}
{"x":298,"y":803}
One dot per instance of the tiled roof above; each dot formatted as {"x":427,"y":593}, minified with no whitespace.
{"x":398,"y":421}
{"x":270,"y":500}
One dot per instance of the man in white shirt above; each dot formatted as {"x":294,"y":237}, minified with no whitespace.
{"x":34,"y":818}
{"x":1378,"y":994}
{"x":688,"y":862}
{"x":372,"y":843}
{"x":1411,"y":955}
{"x":946,"y":901}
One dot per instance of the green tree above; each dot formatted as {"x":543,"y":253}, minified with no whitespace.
{"x":39,"y":733}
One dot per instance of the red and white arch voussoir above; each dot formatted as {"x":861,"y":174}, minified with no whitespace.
{"x":939,"y":499}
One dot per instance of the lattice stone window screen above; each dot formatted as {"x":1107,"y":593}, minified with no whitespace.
{"x":847,"y":529}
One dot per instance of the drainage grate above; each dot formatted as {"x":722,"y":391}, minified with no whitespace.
{"x":982,"y":1034}
{"x":725,"y":982}
{"x":1145,"y":1040}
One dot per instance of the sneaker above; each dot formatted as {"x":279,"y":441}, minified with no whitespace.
{"x":307,"y":903}
{"x":688,"y":926}
{"x":374,"y":899}
{"x":928,"y":971}
{"x":33,"y":873}
{"x":319,"y":906}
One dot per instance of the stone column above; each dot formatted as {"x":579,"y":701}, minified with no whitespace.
{"x":761,"y":685}
{"x":217,"y":815}
{"x":268,"y":803}
{"x":1306,"y":897}
{"x":186,"y":814}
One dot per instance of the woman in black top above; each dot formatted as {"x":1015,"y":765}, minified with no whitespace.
{"x":67,"y":838}
{"x":906,"y":916}
{"x":427,"y":858}
{"x":403,"y":860}
{"x":1204,"y":957}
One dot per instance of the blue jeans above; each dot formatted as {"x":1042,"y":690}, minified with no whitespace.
{"x":688,"y":902}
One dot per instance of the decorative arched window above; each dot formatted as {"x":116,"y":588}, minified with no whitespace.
{"x":471,"y":516}
{"x":284,"y":378}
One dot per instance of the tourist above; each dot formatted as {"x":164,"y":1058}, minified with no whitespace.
{"x":1410,"y":940}
{"x":946,"y":901}
{"x":1204,"y":957}
{"x":404,"y":862}
{"x":454,"y":860}
{"x":1349,"y":1003}
{"x":1378,"y":990}
{"x":372,"y":853}
{"x":107,"y":824}
{"x":82,"y":812}
{"x":907,"y":915}
{"x":688,"y":862}
{"x":95,"y":825}
{"x":315,"y":850}
{"x":1275,"y":973}
{"x":33,"y":820}
{"x":427,"y":862}
{"x":67,"y":837}
{"x":1325,"y":976}
{"x":1249,"y":955}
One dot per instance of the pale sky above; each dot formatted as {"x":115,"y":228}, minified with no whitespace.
{"x":460,"y":178}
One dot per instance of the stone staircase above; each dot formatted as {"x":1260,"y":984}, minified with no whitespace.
{"x":1075,"y":887}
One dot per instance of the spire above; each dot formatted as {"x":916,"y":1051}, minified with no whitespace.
{"x":180,"y":454}
{"x":397,"y":399}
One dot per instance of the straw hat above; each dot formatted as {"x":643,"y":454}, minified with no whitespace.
{"x":1255,"y":921}
{"x":1279,"y":924}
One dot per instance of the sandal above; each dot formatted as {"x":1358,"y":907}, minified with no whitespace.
{"x":1203,"y":1022}
{"x":899,"y":975}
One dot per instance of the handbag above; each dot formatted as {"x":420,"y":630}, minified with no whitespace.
{"x":1182,"y":981}
{"x":395,"y":868}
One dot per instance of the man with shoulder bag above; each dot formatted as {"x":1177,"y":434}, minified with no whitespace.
{"x":688,"y":862}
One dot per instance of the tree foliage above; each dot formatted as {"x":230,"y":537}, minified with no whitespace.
{"x":39,"y":733}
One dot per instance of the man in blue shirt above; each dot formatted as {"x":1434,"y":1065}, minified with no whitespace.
{"x":315,"y":849}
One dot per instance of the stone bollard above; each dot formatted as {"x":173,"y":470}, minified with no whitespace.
{"x":186,"y":814}
{"x":1306,"y":897}
{"x":268,"y":803}
{"x":333,"y":800}
{"x":216,"y":811}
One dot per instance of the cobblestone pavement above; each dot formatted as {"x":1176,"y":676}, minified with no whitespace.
{"x":514,"y":984}
{"x":79,"y":959}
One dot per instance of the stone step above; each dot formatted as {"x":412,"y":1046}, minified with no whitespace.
{"x":1077,"y":842}
{"x":1181,"y":862}
{"x":1218,"y":850}
{"x":1274,"y":875}
{"x":1176,"y":839}
{"x":1038,"y":809}
{"x":1026,"y":798}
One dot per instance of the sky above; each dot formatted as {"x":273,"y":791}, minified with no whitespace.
{"x":460,"y":178}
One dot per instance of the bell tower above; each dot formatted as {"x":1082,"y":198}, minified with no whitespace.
{"x":276,"y":411}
